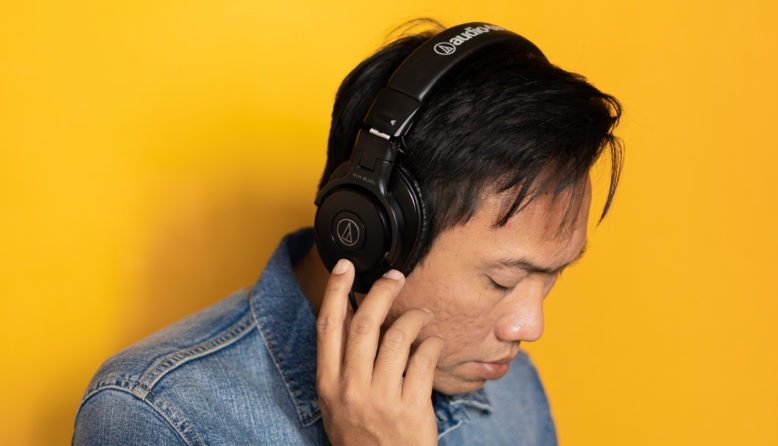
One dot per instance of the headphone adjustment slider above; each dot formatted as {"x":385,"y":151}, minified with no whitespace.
{"x":379,"y":134}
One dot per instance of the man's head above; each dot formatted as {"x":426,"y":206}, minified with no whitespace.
{"x":502,"y":151}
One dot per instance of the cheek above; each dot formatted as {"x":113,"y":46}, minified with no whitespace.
{"x":463,"y":337}
{"x":461,"y":314}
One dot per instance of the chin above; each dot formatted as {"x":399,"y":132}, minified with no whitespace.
{"x":453,"y":386}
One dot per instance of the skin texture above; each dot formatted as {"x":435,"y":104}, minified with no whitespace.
{"x":478,"y":322}
{"x":446,"y":326}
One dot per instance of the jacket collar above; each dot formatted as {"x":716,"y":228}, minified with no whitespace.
{"x":288,"y":327}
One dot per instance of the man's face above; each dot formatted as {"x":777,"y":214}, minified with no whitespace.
{"x":482,"y":324}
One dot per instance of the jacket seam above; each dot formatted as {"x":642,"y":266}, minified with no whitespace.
{"x":154,"y":406}
{"x":178,"y":358}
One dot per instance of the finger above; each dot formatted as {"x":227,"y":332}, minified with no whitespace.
{"x":395,"y":347}
{"x":330,"y":330}
{"x":417,"y":385}
{"x":365,"y":327}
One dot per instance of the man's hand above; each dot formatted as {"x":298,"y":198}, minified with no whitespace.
{"x":368,"y":398}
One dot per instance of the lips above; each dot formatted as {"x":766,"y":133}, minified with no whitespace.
{"x":495,"y":369}
{"x":492,"y":370}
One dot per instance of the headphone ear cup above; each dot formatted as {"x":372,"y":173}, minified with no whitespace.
{"x":407,"y":193}
{"x":352,"y":223}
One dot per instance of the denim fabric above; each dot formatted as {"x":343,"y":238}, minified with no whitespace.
{"x":243,"y":372}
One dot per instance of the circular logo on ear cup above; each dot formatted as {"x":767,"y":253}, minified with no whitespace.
{"x":348,"y":232}
{"x":444,"y":48}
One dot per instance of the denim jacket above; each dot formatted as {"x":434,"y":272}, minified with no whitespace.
{"x":243,"y":372}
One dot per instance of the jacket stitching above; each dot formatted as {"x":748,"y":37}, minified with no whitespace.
{"x":153,"y":405}
{"x":234,"y":333}
{"x":177,"y":413}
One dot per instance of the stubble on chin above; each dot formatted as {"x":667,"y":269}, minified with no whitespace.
{"x":453,"y":385}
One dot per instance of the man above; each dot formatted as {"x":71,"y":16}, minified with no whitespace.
{"x":501,"y":150}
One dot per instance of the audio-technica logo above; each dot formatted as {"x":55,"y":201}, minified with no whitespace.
{"x":448,"y":48}
{"x":348,"y":232}
{"x":444,"y":48}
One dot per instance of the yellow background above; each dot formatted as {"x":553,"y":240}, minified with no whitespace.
{"x":153,"y":152}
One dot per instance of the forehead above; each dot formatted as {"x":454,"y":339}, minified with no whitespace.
{"x":551,"y":229}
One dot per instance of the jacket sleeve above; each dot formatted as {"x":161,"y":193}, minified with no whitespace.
{"x":114,"y":417}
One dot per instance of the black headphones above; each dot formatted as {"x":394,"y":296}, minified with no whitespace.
{"x":371,"y":211}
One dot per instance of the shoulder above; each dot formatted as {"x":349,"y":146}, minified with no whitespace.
{"x":138,"y":367}
{"x":241,"y":371}
{"x":140,"y":395}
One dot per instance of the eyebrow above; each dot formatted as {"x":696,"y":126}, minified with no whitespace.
{"x":532,"y":267}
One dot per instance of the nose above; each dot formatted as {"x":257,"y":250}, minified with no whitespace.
{"x":522,"y":319}
{"x":523,"y":325}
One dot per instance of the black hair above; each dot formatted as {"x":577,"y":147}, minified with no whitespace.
{"x":505,"y":121}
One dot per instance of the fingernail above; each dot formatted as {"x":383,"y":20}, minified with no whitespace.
{"x":429,"y":318}
{"x":393,"y":274}
{"x":340,"y":267}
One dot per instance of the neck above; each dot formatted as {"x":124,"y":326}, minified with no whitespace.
{"x":312,"y":277}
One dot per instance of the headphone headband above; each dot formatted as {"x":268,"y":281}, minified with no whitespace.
{"x":394,"y":107}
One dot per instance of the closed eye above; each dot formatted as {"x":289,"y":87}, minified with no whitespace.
{"x":497,"y":286}
{"x":505,"y":289}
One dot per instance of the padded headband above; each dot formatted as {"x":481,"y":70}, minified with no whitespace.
{"x":394,"y":107}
